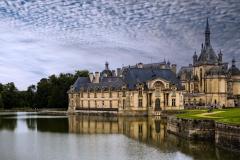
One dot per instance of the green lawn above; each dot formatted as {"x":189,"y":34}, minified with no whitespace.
{"x":230,"y":116}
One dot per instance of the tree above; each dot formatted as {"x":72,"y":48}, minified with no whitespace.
{"x":1,"y":101}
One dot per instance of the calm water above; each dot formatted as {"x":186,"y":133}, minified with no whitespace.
{"x":28,"y":136}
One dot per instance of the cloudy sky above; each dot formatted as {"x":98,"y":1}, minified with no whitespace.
{"x":43,"y":37}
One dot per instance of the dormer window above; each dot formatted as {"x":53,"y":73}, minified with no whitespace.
{"x":140,"y":92}
{"x":124,"y":93}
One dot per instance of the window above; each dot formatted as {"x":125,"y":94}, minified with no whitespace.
{"x":157,"y":105}
{"x":81,"y":94}
{"x":88,"y":94}
{"x":140,"y":92}
{"x":124,"y":103}
{"x":110,"y":104}
{"x":103,"y":103}
{"x":95,"y":103}
{"x":95,"y":94}
{"x":82,"y":103}
{"x":173,"y":102}
{"x":124,"y":94}
{"x":139,"y":102}
{"x":88,"y":104}
{"x":201,"y":77}
{"x":102,"y":94}
{"x":118,"y":94}
{"x":110,"y":93}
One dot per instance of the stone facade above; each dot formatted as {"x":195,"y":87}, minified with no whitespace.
{"x":209,"y":81}
{"x":140,"y":90}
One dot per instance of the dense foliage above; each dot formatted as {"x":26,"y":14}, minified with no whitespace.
{"x":49,"y":92}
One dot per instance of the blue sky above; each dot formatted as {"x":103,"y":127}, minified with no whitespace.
{"x":43,"y":37}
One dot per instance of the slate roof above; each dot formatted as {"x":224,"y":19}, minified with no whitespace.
{"x":105,"y":83}
{"x":186,"y":70}
{"x":217,"y":70}
{"x":234,"y":71}
{"x":131,"y":77}
{"x":207,"y":56}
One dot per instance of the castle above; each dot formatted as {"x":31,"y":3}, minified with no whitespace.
{"x":147,"y":89}
{"x":209,"y":81}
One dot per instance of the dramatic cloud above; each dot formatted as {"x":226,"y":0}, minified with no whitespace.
{"x":43,"y":37}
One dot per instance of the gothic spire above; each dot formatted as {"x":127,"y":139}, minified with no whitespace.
{"x":207,"y":34}
{"x":106,"y":66}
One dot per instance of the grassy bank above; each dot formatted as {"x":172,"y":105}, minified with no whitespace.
{"x":229,"y":116}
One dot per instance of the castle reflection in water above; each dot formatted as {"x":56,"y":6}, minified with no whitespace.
{"x":136,"y":128}
{"x":149,"y":130}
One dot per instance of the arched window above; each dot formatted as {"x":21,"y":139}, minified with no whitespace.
{"x":157,"y":105}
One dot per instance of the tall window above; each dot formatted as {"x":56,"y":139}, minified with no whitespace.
{"x":103,"y":103}
{"x":81,"y":94}
{"x":124,"y":93}
{"x":95,"y":103}
{"x":110,"y":104}
{"x":140,"y":92}
{"x":124,"y":101}
{"x":110,"y":93}
{"x":139,"y":102}
{"x":157,"y":105}
{"x":95,"y":94}
{"x":88,"y":104}
{"x":201,"y":77}
{"x":173,"y":102}
{"x":102,"y":94}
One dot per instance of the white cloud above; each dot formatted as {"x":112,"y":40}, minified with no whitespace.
{"x":39,"y":38}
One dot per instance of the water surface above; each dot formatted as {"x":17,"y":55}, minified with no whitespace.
{"x":29,"y":136}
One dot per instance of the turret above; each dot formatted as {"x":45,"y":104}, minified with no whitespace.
{"x":220,"y":57}
{"x":174,"y":68}
{"x":195,"y":57}
{"x":106,"y":66}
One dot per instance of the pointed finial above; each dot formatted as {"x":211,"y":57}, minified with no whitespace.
{"x":207,"y":26}
{"x":220,"y":52}
{"x":233,"y":62}
{"x":106,"y":65}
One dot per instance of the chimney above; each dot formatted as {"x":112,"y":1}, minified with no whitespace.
{"x":97,"y":77}
{"x":174,"y":68}
{"x":91,"y":77}
{"x":119,"y":72}
{"x":113,"y":73}
{"x":140,"y":65}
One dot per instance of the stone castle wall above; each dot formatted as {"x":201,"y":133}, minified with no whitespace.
{"x":224,"y":135}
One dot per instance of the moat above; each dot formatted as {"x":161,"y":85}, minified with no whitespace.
{"x":26,"y":136}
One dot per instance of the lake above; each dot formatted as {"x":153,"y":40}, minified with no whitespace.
{"x":30,"y":136}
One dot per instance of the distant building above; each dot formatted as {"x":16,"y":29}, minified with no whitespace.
{"x":143,"y":89}
{"x":209,"y":81}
